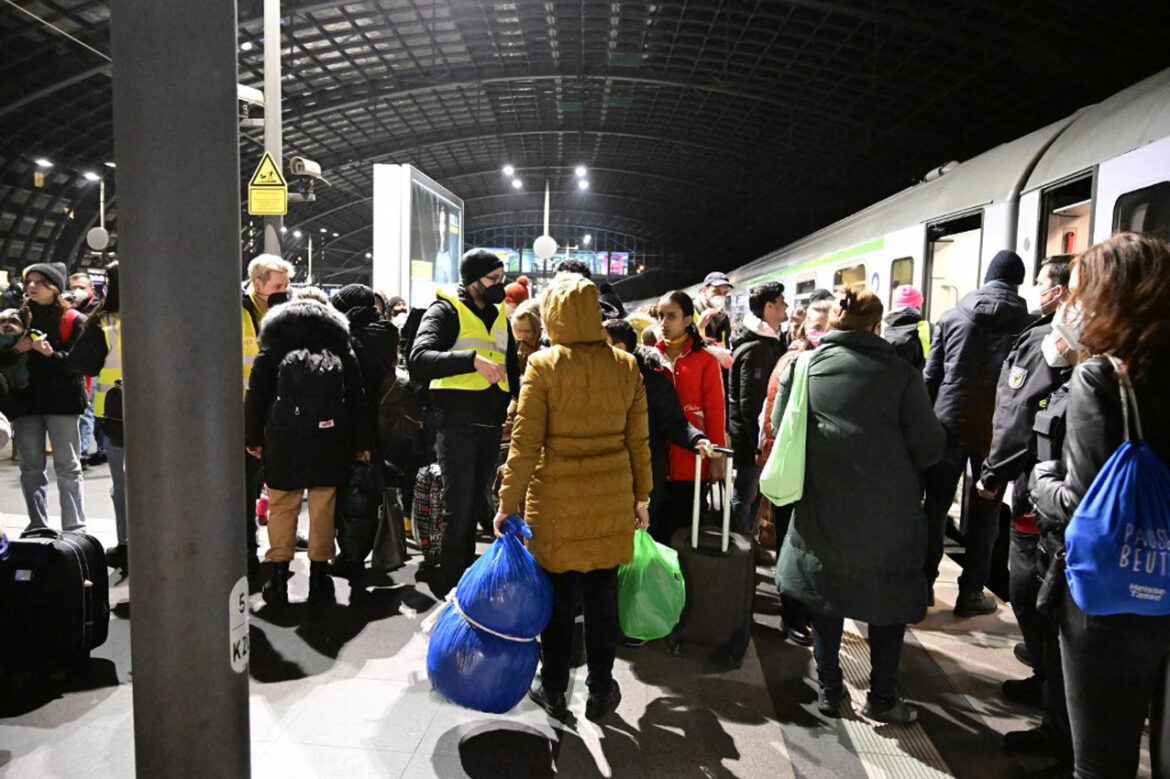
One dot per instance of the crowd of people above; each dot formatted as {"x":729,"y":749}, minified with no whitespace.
{"x":603,"y":412}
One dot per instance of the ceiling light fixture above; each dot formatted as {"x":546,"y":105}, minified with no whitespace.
{"x":587,"y":239}
{"x":517,"y":183}
{"x":246,"y":46}
{"x":582,"y":184}
{"x":297,"y":234}
{"x":44,"y":163}
{"x":91,"y":176}
{"x":509,"y":170}
{"x":109,"y":164}
{"x":580,"y":171}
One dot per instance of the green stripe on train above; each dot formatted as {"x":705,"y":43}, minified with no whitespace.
{"x":843,"y":254}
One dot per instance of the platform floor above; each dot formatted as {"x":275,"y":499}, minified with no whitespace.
{"x":346,"y":694}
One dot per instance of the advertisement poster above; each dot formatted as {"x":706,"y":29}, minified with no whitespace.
{"x":434,"y":236}
{"x":617,"y":263}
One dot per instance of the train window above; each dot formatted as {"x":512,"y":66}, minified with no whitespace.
{"x":853,"y":278}
{"x":1066,"y":217}
{"x":901,"y":272}
{"x":1145,"y":210}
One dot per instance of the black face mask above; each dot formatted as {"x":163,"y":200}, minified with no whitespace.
{"x":277,"y":298}
{"x":493,"y":295}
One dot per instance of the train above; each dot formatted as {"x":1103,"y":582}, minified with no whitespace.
{"x":1057,"y":190}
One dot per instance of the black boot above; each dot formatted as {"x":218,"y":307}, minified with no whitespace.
{"x":275,"y":592}
{"x":320,"y":584}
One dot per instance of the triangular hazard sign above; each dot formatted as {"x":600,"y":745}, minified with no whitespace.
{"x":267,"y":174}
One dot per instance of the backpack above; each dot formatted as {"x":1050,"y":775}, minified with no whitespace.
{"x":399,"y":417}
{"x":310,"y":399}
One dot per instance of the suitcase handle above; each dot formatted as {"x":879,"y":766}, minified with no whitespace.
{"x":41,"y":532}
{"x":726,"y":452}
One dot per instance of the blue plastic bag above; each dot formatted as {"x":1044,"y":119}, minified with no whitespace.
{"x":506,"y":590}
{"x":1117,"y":547}
{"x":483,"y":652}
{"x":476,"y":669}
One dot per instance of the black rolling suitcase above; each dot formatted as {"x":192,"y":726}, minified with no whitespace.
{"x":54,"y":599}
{"x":719,"y":568}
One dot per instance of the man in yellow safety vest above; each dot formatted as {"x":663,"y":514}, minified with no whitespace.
{"x":465,"y":353}
{"x":268,"y":280}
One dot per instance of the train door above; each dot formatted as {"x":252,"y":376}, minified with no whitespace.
{"x":952,"y":262}
{"x":1065,"y":218}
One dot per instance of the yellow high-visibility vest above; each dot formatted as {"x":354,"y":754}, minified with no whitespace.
{"x":924,"y":337}
{"x":473,"y":334}
{"x":251,"y":346}
{"x":111,"y":371}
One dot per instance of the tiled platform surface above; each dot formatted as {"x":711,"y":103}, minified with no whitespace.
{"x":346,"y":695}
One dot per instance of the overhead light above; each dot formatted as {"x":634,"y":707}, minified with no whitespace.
{"x":369,"y":256}
{"x":44,"y":163}
{"x":509,"y":170}
{"x":297,"y":234}
{"x":324,"y":230}
{"x":246,"y":46}
{"x":517,"y":183}
{"x":587,"y":239}
{"x":283,"y":229}
{"x":91,"y":176}
{"x":337,"y":235}
{"x":582,"y":184}
{"x":580,"y":171}
{"x":110,"y":164}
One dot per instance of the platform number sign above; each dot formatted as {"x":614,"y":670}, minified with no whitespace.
{"x":238,"y":625}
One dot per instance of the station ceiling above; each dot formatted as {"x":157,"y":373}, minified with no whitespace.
{"x":718,"y":130}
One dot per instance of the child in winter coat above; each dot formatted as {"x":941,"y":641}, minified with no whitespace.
{"x":305,"y":418}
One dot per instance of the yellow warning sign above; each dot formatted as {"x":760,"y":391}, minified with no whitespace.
{"x":267,"y":191}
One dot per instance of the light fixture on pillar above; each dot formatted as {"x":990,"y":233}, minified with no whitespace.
{"x":545,"y":246}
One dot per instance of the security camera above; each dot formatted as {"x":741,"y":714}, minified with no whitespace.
{"x":302,"y":166}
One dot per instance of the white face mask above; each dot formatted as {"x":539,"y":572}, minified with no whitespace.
{"x":1052,"y":354}
{"x":718,"y":302}
{"x":1068,"y":323}
{"x":399,"y":320}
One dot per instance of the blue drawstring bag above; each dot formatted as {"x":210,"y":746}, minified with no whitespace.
{"x":483,"y":652}
{"x":1117,"y":546}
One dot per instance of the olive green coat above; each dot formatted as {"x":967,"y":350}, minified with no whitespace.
{"x":580,"y":454}
{"x":857,"y":542}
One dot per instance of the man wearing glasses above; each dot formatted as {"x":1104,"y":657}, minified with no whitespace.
{"x":465,"y":353}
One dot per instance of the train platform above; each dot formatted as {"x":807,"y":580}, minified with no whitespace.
{"x":345,"y":693}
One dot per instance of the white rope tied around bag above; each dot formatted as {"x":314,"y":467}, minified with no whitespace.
{"x":428,"y":624}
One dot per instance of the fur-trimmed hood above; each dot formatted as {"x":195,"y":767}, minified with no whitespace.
{"x":304,"y":324}
{"x":650,"y":359}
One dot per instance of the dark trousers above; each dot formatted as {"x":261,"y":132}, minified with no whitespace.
{"x":982,"y":521}
{"x":792,"y":611}
{"x":885,"y":652}
{"x":596,"y":591}
{"x":1114,"y":669}
{"x":253,"y":482}
{"x":745,"y":497}
{"x":467,"y":458}
{"x":678,"y":503}
{"x":1041,"y":632}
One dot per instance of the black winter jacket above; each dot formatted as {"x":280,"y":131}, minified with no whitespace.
{"x":752,"y":363}
{"x":970,"y":344}
{"x":304,"y":324}
{"x":902,"y":331}
{"x":431,"y":358}
{"x":54,"y":387}
{"x":1093,"y":431}
{"x":668,"y":423}
{"x":1025,"y":383}
{"x":88,"y":357}
{"x":375,"y":344}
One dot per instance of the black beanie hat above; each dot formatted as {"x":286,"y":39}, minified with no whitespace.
{"x":54,"y":273}
{"x":478,"y":263}
{"x":352,"y":296}
{"x":1006,"y":266}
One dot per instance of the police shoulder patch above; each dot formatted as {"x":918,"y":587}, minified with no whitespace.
{"x":1017,"y":376}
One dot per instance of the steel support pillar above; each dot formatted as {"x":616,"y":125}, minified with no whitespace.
{"x":273,"y":129}
{"x":177,"y":139}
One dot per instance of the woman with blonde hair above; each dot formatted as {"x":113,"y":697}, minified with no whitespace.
{"x":857,"y":541}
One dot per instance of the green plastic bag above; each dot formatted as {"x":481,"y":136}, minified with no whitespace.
{"x":782,"y":477}
{"x":651,"y":592}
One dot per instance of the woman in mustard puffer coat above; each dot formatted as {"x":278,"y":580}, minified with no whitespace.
{"x":579,"y":471}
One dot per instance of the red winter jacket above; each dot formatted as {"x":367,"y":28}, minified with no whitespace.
{"x":699,"y":383}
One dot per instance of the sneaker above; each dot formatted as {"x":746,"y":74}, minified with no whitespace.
{"x":98,"y":458}
{"x":117,"y":558}
{"x":829,"y":701}
{"x":798,"y":634}
{"x":1026,"y":692}
{"x":1020,"y":650}
{"x":1035,"y":741}
{"x":553,"y":703}
{"x":600,"y":706}
{"x":974,"y":603}
{"x":893,"y":711}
